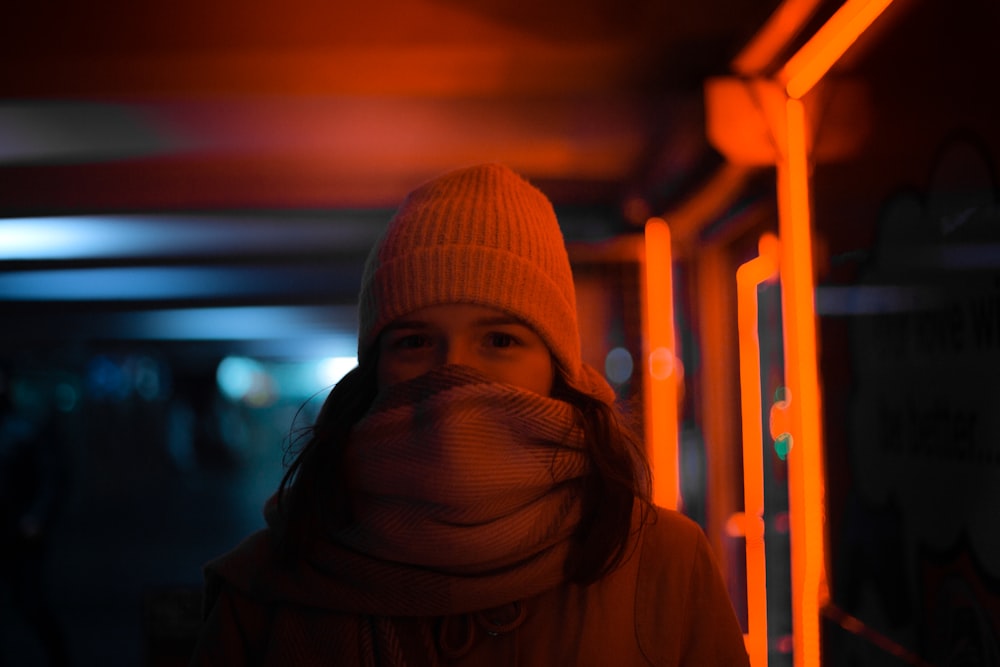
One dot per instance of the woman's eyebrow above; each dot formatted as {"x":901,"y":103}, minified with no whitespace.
{"x":498,"y":320}
{"x":485,"y":321}
{"x":406,"y":324}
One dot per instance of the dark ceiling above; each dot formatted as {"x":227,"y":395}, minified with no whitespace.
{"x":121,"y":105}
{"x":184,"y":128}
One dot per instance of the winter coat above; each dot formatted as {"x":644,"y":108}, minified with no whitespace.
{"x":666,"y":605}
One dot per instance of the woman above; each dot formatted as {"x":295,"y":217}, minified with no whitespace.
{"x":468,"y":494}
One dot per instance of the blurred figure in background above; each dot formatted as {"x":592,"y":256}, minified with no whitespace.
{"x":31,"y":489}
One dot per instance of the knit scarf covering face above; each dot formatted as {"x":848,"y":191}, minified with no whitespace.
{"x":461,"y":481}
{"x":453,"y":472}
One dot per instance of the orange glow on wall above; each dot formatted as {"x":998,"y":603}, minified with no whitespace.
{"x":750,"y":523}
{"x":662,"y":369}
{"x":743,"y":118}
{"x":718,"y":391}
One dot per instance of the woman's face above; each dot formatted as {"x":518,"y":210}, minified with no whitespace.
{"x":494,"y":343}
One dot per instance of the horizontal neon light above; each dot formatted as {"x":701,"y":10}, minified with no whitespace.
{"x":88,"y":237}
{"x":821,"y":52}
{"x":160,"y":283}
{"x":782,"y":26}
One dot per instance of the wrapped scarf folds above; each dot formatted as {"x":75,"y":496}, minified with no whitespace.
{"x":465,"y":494}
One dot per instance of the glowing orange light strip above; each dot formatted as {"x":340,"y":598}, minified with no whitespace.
{"x":818,"y":55}
{"x":784,"y":22}
{"x":806,"y":479}
{"x":748,"y":277}
{"x":661,"y":365}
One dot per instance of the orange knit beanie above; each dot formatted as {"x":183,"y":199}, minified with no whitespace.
{"x":480,"y":235}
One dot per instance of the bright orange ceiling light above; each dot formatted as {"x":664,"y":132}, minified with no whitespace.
{"x":779,"y":30}
{"x":824,"y":49}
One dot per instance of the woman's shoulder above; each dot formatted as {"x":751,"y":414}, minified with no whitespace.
{"x":681,"y":599}
{"x":238,"y":570}
{"x":675,"y":556}
{"x":669,"y":530}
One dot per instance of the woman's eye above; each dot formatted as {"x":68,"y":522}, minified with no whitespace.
{"x":410,"y":342}
{"x":501,"y":339}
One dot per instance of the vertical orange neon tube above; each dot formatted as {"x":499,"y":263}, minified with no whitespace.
{"x":661,"y":371}
{"x":806,"y":479}
{"x":748,"y":277}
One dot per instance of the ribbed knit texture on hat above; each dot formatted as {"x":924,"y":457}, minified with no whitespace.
{"x":481,"y":235}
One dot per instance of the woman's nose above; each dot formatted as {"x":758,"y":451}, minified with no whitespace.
{"x":454,"y":353}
